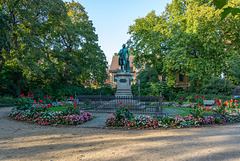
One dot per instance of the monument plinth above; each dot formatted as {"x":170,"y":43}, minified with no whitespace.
{"x":124,"y":85}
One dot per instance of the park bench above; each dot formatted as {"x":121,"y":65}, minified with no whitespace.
{"x":208,"y":102}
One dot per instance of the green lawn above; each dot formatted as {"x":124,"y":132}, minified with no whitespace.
{"x":63,"y":108}
{"x":58,"y":108}
{"x":185,"y":110}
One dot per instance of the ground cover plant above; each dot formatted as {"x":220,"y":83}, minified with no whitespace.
{"x":223,"y":112}
{"x":40,"y":112}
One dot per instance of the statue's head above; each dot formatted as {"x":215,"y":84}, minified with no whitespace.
{"x":123,"y":45}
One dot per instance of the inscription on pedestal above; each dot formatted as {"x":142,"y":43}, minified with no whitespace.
{"x":122,"y":80}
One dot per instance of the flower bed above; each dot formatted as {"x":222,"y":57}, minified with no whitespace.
{"x":31,"y":111}
{"x":50,"y":117}
{"x":197,"y":117}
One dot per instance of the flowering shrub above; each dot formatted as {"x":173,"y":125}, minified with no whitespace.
{"x":180,"y":102}
{"x":199,"y":100}
{"x":50,"y":117}
{"x":112,"y":121}
{"x":197,"y":117}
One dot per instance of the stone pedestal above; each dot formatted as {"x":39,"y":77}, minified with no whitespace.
{"x":123,"y":85}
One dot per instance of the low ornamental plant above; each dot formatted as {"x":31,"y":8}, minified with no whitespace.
{"x":120,"y":117}
{"x":197,"y":117}
{"x":199,"y":100}
{"x":50,"y":117}
{"x":180,"y":102}
{"x":37,"y":112}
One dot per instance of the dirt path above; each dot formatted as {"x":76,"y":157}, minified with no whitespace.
{"x":23,"y":141}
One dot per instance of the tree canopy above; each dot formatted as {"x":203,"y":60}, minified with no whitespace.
{"x":189,"y":37}
{"x":49,"y":42}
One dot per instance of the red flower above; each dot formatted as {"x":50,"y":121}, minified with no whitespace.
{"x":219,"y":103}
{"x":28,"y":93}
{"x":43,"y":106}
{"x":71,"y":98}
{"x":182,"y":97}
{"x":49,"y":105}
{"x":202,"y":106}
{"x":74,"y":105}
{"x":44,"y":97}
{"x":61,"y":95}
{"x":49,"y":97}
{"x":21,"y":95}
{"x":120,"y":103}
{"x":31,"y":95}
{"x":235,"y":101}
{"x":231,"y":101}
{"x":124,"y":105}
{"x":196,"y":96}
{"x":34,"y":101}
{"x":236,"y":105}
{"x":207,"y":109}
{"x":216,"y":100}
{"x":41,"y":101}
{"x":199,"y":104}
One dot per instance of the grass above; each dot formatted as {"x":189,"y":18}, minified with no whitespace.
{"x":186,"y":111}
{"x":58,"y":108}
{"x":61,"y":108}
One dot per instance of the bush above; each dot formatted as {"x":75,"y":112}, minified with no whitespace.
{"x":7,"y":100}
{"x":219,"y":87}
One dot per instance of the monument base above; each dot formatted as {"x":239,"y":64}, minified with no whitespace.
{"x":123,"y":85}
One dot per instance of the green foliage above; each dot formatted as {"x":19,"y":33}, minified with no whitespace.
{"x":222,"y":3}
{"x":219,"y":86}
{"x":47,"y":44}
{"x":234,"y":70}
{"x":7,"y":100}
{"x":188,"y":38}
{"x":197,"y":112}
{"x":71,"y":111}
{"x":123,"y":112}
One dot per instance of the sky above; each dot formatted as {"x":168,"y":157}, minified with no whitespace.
{"x":112,"y":19}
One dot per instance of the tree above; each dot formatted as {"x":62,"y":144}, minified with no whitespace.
{"x":4,"y":37}
{"x":227,"y":9}
{"x":188,"y":38}
{"x":52,"y":42}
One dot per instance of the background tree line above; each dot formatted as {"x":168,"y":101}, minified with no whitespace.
{"x":48,"y":47}
{"x":190,"y":37}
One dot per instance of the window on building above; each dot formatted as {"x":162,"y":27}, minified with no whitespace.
{"x":114,"y":78}
{"x":164,"y":78}
{"x":181,"y":78}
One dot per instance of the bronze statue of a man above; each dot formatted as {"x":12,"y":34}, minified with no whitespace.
{"x":123,"y":60}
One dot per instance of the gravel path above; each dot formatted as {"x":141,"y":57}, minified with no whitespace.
{"x":24,"y":141}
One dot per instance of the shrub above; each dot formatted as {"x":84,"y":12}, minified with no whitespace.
{"x":219,"y":86}
{"x":7,"y":100}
